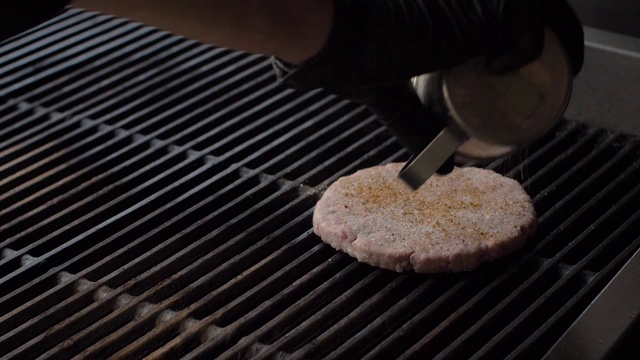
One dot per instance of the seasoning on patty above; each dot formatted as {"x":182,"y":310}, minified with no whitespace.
{"x":453,"y":223}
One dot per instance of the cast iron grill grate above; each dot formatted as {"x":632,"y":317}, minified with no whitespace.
{"x":156,"y":198}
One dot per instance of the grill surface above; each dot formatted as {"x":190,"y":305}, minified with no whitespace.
{"x":156,"y":198}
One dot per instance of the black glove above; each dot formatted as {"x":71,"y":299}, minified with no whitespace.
{"x":17,"y":16}
{"x":375,"y":46}
{"x":376,"y":42}
{"x":514,"y":52}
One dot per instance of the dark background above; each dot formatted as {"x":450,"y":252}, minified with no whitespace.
{"x":621,"y":16}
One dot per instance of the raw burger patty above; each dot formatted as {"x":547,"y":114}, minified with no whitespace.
{"x":452,"y":223}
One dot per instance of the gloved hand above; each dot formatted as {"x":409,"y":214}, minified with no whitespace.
{"x":17,"y":16}
{"x":375,"y":46}
{"x":374,"y":42}
{"x":516,"y":51}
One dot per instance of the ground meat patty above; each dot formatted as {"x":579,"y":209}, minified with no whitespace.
{"x":452,"y":223}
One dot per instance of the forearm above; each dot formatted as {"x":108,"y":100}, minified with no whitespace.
{"x":292,"y":30}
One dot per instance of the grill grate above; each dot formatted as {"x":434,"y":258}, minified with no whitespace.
{"x":156,"y":198}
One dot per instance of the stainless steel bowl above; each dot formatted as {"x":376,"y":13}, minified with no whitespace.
{"x":501,"y":113}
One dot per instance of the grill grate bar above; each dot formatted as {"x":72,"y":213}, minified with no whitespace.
{"x":608,"y":190}
{"x":311,"y":329}
{"x":303,"y":132}
{"x":40,"y":128}
{"x":63,"y":82}
{"x":430,"y":316}
{"x":328,"y":128}
{"x":126,"y":165}
{"x":261,"y":90}
{"x":41,"y":136}
{"x":26,"y":43}
{"x":80,"y":303}
{"x":213,"y":280}
{"x":235,"y":128}
{"x":34,"y":155}
{"x":520,"y":161}
{"x":62,"y":54}
{"x":474,"y":330}
{"x":308,"y":134}
{"x":62,"y":70}
{"x":580,"y":151}
{"x":157,"y":313}
{"x":588,"y":291}
{"x":45,"y":34}
{"x":570,"y":274}
{"x":32,"y":188}
{"x":91,"y":94}
{"x":564,"y":141}
{"x":350,"y":313}
{"x":8,"y":112}
{"x":341,"y":274}
{"x":67,"y":325}
{"x":374,"y":334}
{"x":50,"y":245}
{"x":581,"y":171}
{"x":158,"y":101}
{"x":165,"y":123}
{"x":122,"y":102}
{"x":237,"y":304}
